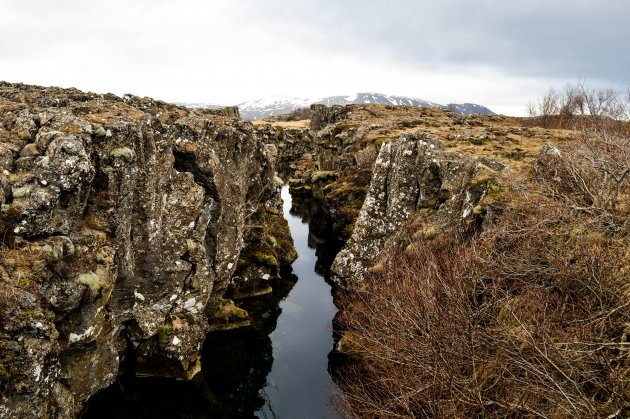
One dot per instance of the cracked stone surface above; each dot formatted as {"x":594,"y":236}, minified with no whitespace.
{"x":122,"y":223}
{"x":411,"y":175}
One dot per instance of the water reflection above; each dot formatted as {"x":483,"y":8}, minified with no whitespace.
{"x":235,"y":363}
{"x":299,"y":385}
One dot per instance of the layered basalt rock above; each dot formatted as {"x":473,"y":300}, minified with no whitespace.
{"x":122,"y":223}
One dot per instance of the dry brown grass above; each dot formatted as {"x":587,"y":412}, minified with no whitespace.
{"x":305,"y":123}
{"x":529,"y":317}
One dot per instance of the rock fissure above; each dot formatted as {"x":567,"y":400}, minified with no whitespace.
{"x":126,"y":219}
{"x":172,"y":212}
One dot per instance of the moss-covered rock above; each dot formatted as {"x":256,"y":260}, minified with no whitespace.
{"x":228,"y":316}
{"x":265,"y":259}
{"x":124,"y":153}
{"x":323,"y":175}
{"x":99,"y":131}
{"x":92,"y":281}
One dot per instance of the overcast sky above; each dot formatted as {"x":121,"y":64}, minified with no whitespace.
{"x":499,"y":53}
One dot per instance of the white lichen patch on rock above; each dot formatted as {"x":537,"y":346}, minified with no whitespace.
{"x":121,"y":215}
{"x":411,"y":175}
{"x":78,"y":337}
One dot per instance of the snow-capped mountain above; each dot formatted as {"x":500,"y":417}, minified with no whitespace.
{"x":468,"y":108}
{"x":275,"y":105}
{"x":280,"y":105}
{"x":377,"y":98}
{"x":200,"y":105}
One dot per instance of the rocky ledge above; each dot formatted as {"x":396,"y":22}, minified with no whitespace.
{"x":122,"y":224}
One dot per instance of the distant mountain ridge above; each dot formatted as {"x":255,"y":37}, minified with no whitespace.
{"x":279,"y":105}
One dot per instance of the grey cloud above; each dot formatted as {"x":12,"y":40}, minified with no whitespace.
{"x":245,"y":48}
{"x":553,"y":39}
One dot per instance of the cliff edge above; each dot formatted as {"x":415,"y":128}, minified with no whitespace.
{"x":122,"y":222}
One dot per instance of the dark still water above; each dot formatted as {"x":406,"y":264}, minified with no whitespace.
{"x":277,"y":368}
{"x":298,"y":385}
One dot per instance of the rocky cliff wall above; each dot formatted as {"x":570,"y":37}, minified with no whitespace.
{"x":375,"y":168}
{"x":413,"y":177}
{"x":292,"y":143}
{"x":122,"y":223}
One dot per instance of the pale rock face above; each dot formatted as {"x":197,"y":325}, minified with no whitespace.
{"x":123,"y":215}
{"x":410,"y":175}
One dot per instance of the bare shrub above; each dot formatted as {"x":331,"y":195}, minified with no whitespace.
{"x":527,"y":319}
{"x":548,"y":106}
{"x":397,"y":328}
{"x":578,"y":107}
{"x":593,"y":172}
{"x":365,"y":158}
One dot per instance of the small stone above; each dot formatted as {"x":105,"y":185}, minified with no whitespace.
{"x":99,"y":131}
{"x":124,"y":153}
{"x":50,"y":254}
{"x":549,"y":148}
{"x":42,"y":161}
{"x":92,"y":281}
{"x":66,"y":244}
{"x":21,"y":191}
{"x":190,"y":304}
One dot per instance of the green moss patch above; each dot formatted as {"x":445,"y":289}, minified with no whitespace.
{"x":324,"y":175}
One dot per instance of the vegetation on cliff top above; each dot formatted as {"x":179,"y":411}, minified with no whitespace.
{"x":526,"y":313}
{"x":349,"y":146}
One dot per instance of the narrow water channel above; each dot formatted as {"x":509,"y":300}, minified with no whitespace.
{"x":276,"y":368}
{"x":298,"y":385}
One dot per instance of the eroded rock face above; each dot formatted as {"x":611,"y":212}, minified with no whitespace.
{"x":292,"y":143}
{"x":413,"y":175}
{"x":122,"y":223}
{"x":322,"y":115}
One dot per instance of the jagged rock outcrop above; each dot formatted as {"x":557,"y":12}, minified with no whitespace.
{"x":122,"y":223}
{"x":292,"y":143}
{"x":228,"y":112}
{"x":322,"y":115}
{"x":412,"y":176}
